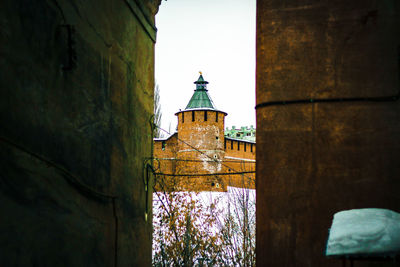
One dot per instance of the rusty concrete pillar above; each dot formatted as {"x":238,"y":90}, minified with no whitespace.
{"x":328,"y":121}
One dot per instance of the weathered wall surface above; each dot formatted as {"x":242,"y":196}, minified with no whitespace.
{"x":315,"y":159}
{"x":240,"y":156}
{"x":76,"y":81}
{"x":165,"y":160}
{"x":207,"y":135}
{"x":239,"y":149}
{"x":181,"y":156}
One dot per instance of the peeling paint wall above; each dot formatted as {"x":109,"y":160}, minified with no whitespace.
{"x":76,"y":81}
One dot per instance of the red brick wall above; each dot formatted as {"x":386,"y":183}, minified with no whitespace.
{"x":200,"y":133}
{"x":198,"y":148}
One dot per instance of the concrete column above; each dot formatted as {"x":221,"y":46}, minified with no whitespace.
{"x":328,"y":121}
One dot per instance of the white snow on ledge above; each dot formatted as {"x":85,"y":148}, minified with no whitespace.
{"x":364,"y":232}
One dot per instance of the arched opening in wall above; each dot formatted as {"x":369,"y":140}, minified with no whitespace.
{"x":216,"y":38}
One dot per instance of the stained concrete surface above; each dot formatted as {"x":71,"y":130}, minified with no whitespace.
{"x":315,"y":159}
{"x":76,"y":81}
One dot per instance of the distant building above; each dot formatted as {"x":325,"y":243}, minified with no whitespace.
{"x":244,"y":133}
{"x":200,"y":156}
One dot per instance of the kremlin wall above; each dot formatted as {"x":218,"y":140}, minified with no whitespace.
{"x":199,"y":157}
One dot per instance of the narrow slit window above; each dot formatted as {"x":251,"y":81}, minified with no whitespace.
{"x":231,"y":144}
{"x":205,"y":115}
{"x":238,"y":146}
{"x":216,"y":116}
{"x":244,"y":147}
{"x":163,"y":145}
{"x":251,"y":147}
{"x":192,"y":115}
{"x":183,"y":117}
{"x":225,"y":144}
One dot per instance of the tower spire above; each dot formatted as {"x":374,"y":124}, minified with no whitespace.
{"x":201,"y":84}
{"x":200,"y":98}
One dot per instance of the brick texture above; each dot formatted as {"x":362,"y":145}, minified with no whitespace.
{"x":198,"y":157}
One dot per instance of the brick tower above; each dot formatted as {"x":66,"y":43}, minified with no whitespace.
{"x":201,"y":128}
{"x":198,"y":157}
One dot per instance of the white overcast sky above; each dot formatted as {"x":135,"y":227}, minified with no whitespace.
{"x":216,"y":37}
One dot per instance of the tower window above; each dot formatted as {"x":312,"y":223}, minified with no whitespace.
{"x":163,"y":145}
{"x":244,"y":147}
{"x":231,"y":144}
{"x":238,"y":145}
{"x":216,"y":116}
{"x":193,"y":115}
{"x":183,"y":117}
{"x":225,"y":144}
{"x":251,"y":147}
{"x":205,"y":115}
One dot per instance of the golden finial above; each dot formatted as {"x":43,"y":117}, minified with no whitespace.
{"x":200,"y":73}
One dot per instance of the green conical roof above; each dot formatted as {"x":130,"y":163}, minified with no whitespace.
{"x":200,"y":98}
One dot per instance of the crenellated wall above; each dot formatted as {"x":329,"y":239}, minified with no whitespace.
{"x":201,"y":129}
{"x":237,"y":148}
{"x":198,"y":150}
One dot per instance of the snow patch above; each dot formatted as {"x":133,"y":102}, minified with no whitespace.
{"x":363,"y":232}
